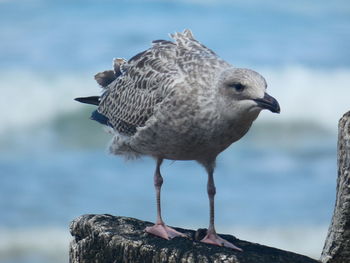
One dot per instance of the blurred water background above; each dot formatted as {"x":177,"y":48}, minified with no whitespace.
{"x":276,"y":186}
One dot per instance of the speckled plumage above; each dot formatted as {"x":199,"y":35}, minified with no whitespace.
{"x":179,"y":100}
{"x":164,"y":102}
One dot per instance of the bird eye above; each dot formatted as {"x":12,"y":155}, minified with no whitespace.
{"x":238,"y":87}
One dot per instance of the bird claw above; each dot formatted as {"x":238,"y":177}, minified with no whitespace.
{"x":163,"y":231}
{"x":214,"y":239}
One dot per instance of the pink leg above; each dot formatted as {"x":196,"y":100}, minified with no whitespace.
{"x":212,"y":237}
{"x":160,"y":229}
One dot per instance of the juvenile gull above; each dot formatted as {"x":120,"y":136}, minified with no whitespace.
{"x":179,"y":101}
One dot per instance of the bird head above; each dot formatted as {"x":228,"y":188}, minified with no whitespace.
{"x":244,"y":90}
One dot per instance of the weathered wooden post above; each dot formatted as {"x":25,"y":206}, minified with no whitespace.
{"x":337,"y":245}
{"x":109,"y":239}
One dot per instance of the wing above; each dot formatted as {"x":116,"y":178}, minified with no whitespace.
{"x":129,"y":101}
{"x":147,"y":78}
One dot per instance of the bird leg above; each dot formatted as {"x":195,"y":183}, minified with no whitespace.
{"x":212,"y":237}
{"x":160,"y":229}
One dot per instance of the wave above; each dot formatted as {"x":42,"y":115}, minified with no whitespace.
{"x":34,"y":98}
{"x":319,"y":96}
{"x":48,"y":244}
{"x":306,"y":95}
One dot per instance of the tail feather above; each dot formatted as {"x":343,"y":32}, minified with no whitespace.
{"x":94,"y":100}
{"x":96,"y":116}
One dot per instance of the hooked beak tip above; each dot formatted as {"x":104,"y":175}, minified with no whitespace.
{"x":268,"y":102}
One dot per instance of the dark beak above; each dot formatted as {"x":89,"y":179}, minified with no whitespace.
{"x":268,"y":102}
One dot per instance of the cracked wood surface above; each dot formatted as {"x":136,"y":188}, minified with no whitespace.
{"x":107,"y":238}
{"x":337,"y":245}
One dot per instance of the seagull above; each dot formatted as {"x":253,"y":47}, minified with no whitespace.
{"x":178,"y":100}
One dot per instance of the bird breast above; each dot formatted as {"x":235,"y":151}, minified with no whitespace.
{"x":187,"y":128}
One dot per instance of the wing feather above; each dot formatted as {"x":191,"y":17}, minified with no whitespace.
{"x":146,"y":79}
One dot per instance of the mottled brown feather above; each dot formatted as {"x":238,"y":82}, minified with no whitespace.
{"x":146,"y":79}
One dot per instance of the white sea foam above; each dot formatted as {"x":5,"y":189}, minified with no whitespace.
{"x":44,"y":244}
{"x":310,"y":95}
{"x":31,"y":98}
{"x":319,"y":96}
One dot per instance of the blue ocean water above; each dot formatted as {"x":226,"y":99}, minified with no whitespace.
{"x":277,"y":182}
